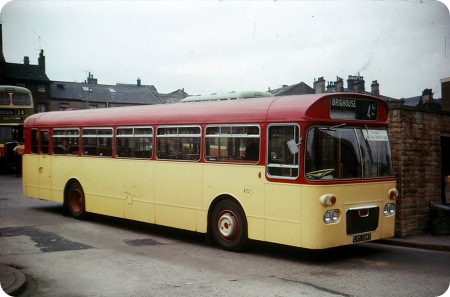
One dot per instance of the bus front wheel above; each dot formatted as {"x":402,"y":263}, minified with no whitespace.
{"x":75,"y":201}
{"x":229,"y":226}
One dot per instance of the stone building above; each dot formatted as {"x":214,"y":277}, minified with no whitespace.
{"x":420,"y":140}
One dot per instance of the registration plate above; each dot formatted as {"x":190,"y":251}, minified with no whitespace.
{"x":362,"y":237}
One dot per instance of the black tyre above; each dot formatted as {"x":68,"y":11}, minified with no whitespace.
{"x":228,"y":226}
{"x":75,"y":201}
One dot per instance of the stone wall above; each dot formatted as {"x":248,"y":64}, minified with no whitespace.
{"x":416,"y":148}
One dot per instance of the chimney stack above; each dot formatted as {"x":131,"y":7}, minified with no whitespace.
{"x":41,"y":60}
{"x":91,"y":80}
{"x":319,"y":85}
{"x":445,"y":89}
{"x":356,"y":84}
{"x":26,"y":60}
{"x":339,"y":84}
{"x":331,"y":87}
{"x":427,"y":95}
{"x":138,"y":82}
{"x":375,"y":88}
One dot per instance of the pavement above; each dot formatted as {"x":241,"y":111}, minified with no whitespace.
{"x":13,"y":281}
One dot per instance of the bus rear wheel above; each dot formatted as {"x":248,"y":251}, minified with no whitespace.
{"x":229,"y":226}
{"x":75,"y":201}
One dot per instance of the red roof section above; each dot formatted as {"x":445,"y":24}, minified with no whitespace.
{"x":273,"y":109}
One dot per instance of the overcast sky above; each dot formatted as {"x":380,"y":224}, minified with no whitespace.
{"x":222,"y":46}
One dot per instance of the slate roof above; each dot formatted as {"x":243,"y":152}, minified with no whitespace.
{"x":124,"y":94}
{"x":286,"y":88}
{"x":412,"y":101}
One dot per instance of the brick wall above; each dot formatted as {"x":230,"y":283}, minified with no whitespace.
{"x":415,"y":138}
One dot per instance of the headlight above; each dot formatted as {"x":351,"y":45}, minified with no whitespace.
{"x":331,"y":216}
{"x":389,"y":209}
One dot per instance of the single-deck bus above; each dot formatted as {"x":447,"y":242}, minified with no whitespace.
{"x":310,"y":171}
{"x":16,"y":104}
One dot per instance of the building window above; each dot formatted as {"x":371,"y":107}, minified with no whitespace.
{"x":63,"y":106}
{"x":41,"y":88}
{"x":41,"y":107}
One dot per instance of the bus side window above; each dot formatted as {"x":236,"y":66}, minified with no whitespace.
{"x":65,"y":141}
{"x":34,"y":141}
{"x":281,"y":162}
{"x":178,"y":142}
{"x":232,"y":143}
{"x":134,"y":142}
{"x":97,"y":142}
{"x":44,"y":141}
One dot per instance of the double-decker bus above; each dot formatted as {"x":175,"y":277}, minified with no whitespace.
{"x":227,"y":96}
{"x":16,"y":104}
{"x":310,"y":171}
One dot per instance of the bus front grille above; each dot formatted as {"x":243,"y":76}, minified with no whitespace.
{"x":362,"y":220}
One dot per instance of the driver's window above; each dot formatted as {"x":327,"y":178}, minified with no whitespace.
{"x":282,"y":157}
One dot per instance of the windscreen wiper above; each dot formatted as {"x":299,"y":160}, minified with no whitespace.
{"x":332,"y":128}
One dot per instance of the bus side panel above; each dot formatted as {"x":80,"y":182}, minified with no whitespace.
{"x":45,"y":177}
{"x":98,"y":186}
{"x":63,"y":169}
{"x":134,"y":183}
{"x":243,"y":182}
{"x":178,"y":194}
{"x":283,"y":212}
{"x":30,"y":175}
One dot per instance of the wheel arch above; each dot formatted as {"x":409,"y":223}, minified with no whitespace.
{"x":214,"y":203}
{"x":69,"y":183}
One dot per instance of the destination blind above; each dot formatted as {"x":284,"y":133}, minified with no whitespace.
{"x":352,"y":109}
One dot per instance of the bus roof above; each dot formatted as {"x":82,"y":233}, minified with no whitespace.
{"x":227,"y":96}
{"x":13,"y":89}
{"x":272,"y":109}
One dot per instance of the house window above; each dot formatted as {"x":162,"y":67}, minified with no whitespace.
{"x":41,"y":88}
{"x":63,"y":106}
{"x":41,"y":107}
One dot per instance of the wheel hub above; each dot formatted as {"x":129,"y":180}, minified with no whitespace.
{"x":228,"y":226}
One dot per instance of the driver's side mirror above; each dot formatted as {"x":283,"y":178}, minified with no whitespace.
{"x":293,"y":146}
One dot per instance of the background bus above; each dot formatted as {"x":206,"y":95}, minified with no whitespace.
{"x":16,"y":104}
{"x":310,"y":171}
{"x":227,"y":96}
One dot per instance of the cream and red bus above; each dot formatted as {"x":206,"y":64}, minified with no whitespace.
{"x":310,"y":171}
